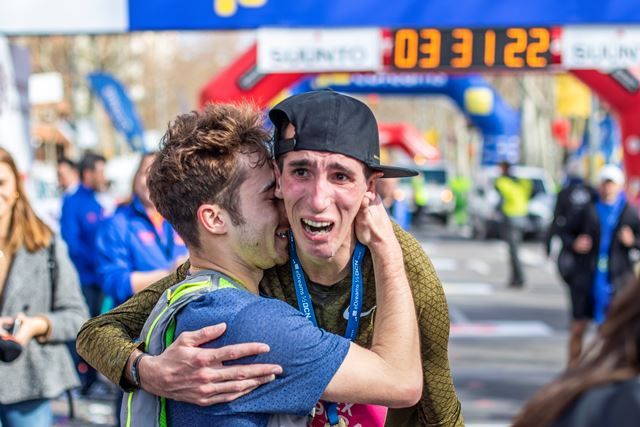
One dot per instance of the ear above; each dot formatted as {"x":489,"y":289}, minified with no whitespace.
{"x":278,"y":175}
{"x":212,"y":218}
{"x":373,"y":180}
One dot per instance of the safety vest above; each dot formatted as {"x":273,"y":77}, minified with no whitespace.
{"x":515,"y":195}
{"x":420,"y":195}
{"x":142,"y":409}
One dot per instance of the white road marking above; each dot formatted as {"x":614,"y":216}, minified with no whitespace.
{"x":457,"y":316}
{"x":532,"y":258}
{"x":487,"y":425}
{"x":479,"y":266}
{"x":445,"y":264}
{"x":468,"y":288}
{"x":501,"y":329}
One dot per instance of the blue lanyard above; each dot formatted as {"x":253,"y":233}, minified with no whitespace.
{"x":306,"y":307}
{"x":304,"y":298}
{"x":609,"y":216}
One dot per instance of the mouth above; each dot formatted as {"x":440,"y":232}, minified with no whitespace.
{"x":316,"y":228}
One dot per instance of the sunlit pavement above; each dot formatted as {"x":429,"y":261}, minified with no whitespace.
{"x":88,"y":412}
{"x":505,"y":343}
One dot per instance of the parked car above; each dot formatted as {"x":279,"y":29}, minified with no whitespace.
{"x":433,"y":180}
{"x":484,"y":214}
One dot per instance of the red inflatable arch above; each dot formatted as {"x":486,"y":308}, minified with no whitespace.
{"x":240,"y":80}
{"x":621,"y":90}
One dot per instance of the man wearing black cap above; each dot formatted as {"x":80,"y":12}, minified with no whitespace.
{"x":326,"y":146}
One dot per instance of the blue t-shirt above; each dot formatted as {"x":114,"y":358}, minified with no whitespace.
{"x":309,"y":357}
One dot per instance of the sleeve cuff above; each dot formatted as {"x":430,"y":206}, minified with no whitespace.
{"x":124,"y":383}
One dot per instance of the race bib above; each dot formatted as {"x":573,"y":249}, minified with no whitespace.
{"x":351,"y":415}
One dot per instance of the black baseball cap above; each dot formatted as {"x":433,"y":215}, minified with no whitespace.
{"x":328,"y":121}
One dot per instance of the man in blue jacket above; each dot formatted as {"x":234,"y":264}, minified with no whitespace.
{"x":81,"y":214}
{"x":137,"y":246}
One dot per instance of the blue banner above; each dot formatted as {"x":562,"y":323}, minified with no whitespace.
{"x":119,"y":107}
{"x":478,"y":101}
{"x":236,"y":14}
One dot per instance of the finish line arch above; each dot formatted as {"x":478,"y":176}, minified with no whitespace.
{"x":498,"y":123}
{"x":621,"y":90}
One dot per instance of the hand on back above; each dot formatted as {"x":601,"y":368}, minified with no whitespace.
{"x":189,"y":373}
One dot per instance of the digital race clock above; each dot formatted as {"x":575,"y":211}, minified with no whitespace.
{"x":464,"y":48}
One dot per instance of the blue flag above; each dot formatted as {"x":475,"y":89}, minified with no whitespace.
{"x":119,"y":107}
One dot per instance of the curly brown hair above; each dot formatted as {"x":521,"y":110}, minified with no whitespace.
{"x":203,"y":159}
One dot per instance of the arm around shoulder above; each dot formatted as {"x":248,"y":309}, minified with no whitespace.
{"x":107,"y":341}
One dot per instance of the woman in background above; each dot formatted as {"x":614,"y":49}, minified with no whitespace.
{"x":604,"y":388}
{"x":40,"y":303}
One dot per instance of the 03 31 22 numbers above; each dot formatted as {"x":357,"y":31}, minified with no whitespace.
{"x":464,"y":48}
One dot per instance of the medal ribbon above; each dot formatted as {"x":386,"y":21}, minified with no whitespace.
{"x":306,"y":307}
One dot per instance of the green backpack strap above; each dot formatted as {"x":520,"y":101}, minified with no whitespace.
{"x":168,"y":339}
{"x":140,"y":409}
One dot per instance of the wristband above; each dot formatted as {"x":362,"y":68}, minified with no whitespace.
{"x":135,"y":373}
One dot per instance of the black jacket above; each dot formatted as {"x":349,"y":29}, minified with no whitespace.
{"x":571,"y":200}
{"x":620,"y":263}
{"x":569,"y":222}
{"x":614,"y":404}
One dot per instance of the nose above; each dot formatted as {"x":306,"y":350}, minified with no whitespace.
{"x":320,"y":198}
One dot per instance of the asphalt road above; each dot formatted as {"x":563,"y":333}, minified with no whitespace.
{"x":504,"y":343}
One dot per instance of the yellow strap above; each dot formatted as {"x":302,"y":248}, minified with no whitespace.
{"x":181,"y":291}
{"x":185,"y":289}
{"x":224,"y":284}
{"x":129,"y":399}
{"x":153,"y":325}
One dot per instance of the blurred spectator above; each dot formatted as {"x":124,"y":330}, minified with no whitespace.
{"x":514,"y":199}
{"x":617,"y":235}
{"x":41,"y":305}
{"x":395,"y":204}
{"x":386,"y":188}
{"x":420,"y":198}
{"x":604,"y":388}
{"x":460,"y":186}
{"x":611,"y":230}
{"x":81,"y":214}
{"x":137,"y":246}
{"x":572,"y":203}
{"x":68,"y":176}
{"x":575,"y":195}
